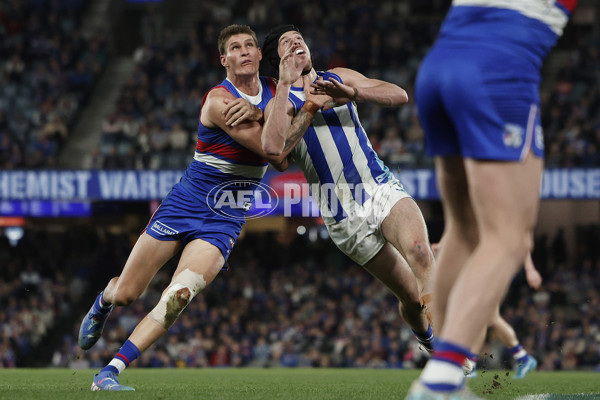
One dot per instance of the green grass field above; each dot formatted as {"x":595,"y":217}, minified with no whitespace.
{"x":264,"y":384}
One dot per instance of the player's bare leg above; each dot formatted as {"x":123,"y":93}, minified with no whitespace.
{"x":503,"y":331}
{"x":393,"y":271}
{"x":146,"y":258}
{"x":201,"y":258}
{"x":504,"y":197}
{"x":458,"y":241}
{"x":460,"y":232}
{"x":198,"y":266}
{"x":406,"y":230}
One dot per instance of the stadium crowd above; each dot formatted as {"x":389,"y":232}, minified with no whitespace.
{"x":47,"y":72}
{"x":157,"y":114}
{"x":154,"y":122}
{"x":298,"y":304}
{"x":44,"y":275}
{"x":282,"y":304}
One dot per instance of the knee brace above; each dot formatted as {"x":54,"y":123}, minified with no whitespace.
{"x":178,"y":295}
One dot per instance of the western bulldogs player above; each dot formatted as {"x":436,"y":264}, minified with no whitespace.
{"x":478,"y":101}
{"x":228,"y":156}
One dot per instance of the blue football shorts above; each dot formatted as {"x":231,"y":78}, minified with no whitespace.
{"x":184,"y":216}
{"x":479,"y":103}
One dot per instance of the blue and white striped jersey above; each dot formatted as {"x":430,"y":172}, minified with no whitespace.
{"x":337,"y":158}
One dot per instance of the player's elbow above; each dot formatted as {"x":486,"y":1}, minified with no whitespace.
{"x":397,"y":97}
{"x":280,"y":162}
{"x":271,"y":149}
{"x":272,"y":152}
{"x":280,"y":166}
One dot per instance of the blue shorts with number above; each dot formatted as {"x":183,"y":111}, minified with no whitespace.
{"x":478,"y":97}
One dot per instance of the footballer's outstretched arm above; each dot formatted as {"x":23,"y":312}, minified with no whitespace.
{"x":357,"y":87}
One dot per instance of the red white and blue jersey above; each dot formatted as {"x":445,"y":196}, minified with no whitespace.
{"x":219,"y":155}
{"x":219,"y":159}
{"x":338,"y":161}
{"x":553,"y":13}
{"x":212,"y":198}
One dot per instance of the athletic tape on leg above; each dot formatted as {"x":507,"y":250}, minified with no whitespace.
{"x":178,"y":295}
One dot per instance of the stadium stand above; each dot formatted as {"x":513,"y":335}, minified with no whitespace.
{"x":305,"y":304}
{"x":173,"y":70}
{"x":298,"y":304}
{"x":48,"y":71}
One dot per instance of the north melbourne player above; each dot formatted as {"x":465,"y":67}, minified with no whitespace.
{"x":367,"y":212}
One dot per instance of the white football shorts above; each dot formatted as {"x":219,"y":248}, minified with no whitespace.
{"x":359,"y":236}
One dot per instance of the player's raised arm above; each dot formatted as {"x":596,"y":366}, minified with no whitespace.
{"x":357,"y":87}
{"x":278,"y":120}
{"x":283,"y":130}
{"x":279,"y":112}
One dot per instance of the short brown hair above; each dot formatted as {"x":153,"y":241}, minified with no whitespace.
{"x":231,"y":30}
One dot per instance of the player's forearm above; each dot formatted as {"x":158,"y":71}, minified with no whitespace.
{"x":277,"y":123}
{"x":300,"y":124}
{"x":294,"y":133}
{"x":384,"y":94}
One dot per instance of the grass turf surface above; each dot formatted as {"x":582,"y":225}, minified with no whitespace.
{"x":264,"y":384}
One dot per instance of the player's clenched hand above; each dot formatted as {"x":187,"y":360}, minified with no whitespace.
{"x":340,"y":93}
{"x":240,"y":110}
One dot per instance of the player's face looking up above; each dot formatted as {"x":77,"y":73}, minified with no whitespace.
{"x":242,"y":56}
{"x":295,"y":40}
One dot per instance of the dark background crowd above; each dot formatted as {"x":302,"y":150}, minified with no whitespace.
{"x":49,"y":67}
{"x":47,"y":72}
{"x":295,"y":302}
{"x":285,"y":302}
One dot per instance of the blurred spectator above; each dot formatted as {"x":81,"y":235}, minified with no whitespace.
{"x":391,"y":146}
{"x":113,"y":160}
{"x":112,"y":131}
{"x":46,"y":77}
{"x":309,"y":313}
{"x":93,"y":160}
{"x":173,"y":73}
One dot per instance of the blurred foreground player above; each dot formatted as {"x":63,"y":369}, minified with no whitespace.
{"x":477,"y":92}
{"x":498,"y":327}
